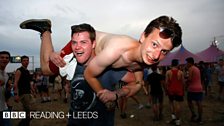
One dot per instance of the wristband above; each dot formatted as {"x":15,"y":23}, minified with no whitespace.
{"x":116,"y":100}
{"x":116,"y":97}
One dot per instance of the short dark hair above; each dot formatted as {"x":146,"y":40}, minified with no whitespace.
{"x":175,"y":62}
{"x":201,"y":63}
{"x":169,"y":23}
{"x":24,"y":57}
{"x":190,"y":60}
{"x":5,"y":52}
{"x":84,"y":28}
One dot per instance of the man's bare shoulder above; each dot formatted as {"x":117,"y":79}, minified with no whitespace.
{"x":103,"y":37}
{"x":168,"y":72}
{"x":110,"y":40}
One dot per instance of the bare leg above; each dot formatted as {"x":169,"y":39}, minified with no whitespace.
{"x":123,"y":107}
{"x":45,"y":50}
{"x":191,"y":107}
{"x":43,"y":26}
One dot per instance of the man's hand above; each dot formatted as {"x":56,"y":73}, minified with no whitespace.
{"x":106,"y":95}
{"x":57,"y":59}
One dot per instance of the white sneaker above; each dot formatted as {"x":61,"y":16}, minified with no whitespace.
{"x":140,"y":106}
{"x":177,"y":122}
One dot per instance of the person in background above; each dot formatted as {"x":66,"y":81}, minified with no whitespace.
{"x":4,"y":60}
{"x":194,"y":91}
{"x":57,"y":88}
{"x":208,"y":79}
{"x":175,"y":91}
{"x":33,"y":85}
{"x":219,"y":70}
{"x":157,"y":84}
{"x":22,"y":89}
{"x":8,"y":92}
{"x":38,"y":79}
{"x":45,"y":89}
{"x":146,"y":72}
{"x":201,"y":66}
{"x":123,"y":102}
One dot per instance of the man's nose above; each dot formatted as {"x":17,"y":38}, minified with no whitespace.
{"x":77,"y":46}
{"x":156,"y":55}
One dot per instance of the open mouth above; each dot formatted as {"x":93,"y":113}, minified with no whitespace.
{"x":150,"y":60}
{"x":79,"y":54}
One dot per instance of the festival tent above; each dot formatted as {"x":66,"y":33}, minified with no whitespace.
{"x":211,"y":54}
{"x":181,"y":54}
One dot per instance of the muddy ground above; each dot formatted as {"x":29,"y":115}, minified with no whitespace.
{"x":213,"y":114}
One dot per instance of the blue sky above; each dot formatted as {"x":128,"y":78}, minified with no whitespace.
{"x":201,"y":21}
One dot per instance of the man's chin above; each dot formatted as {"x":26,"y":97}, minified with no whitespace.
{"x":81,"y":61}
{"x":149,"y":62}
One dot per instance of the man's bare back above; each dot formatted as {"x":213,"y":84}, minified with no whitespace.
{"x":107,"y":43}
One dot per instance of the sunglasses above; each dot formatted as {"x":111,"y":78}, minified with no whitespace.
{"x":166,"y":33}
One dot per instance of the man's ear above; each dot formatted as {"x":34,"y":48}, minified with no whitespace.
{"x":94,"y":44}
{"x":142,"y":38}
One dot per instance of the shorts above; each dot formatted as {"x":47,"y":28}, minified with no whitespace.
{"x":57,"y":86}
{"x":176,"y":98}
{"x":157,"y":98}
{"x":28,"y":102}
{"x":111,"y":77}
{"x":194,"y":96}
{"x":39,"y":88}
{"x":7,"y":94}
{"x":44,"y":88}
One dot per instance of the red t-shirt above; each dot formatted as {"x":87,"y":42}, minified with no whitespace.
{"x":175,"y":86}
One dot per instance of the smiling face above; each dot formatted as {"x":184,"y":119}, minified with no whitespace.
{"x":82,"y":47}
{"x":154,"y":48}
{"x":4,"y":60}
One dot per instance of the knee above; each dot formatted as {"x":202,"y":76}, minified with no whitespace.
{"x":46,"y":71}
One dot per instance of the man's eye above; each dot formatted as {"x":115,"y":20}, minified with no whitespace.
{"x":164,"y":52}
{"x":83,"y":42}
{"x":154,"y":44}
{"x":74,"y":43}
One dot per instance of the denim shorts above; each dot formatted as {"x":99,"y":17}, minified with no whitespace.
{"x":194,"y":96}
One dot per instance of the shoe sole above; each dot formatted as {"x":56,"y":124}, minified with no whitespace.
{"x":23,"y":24}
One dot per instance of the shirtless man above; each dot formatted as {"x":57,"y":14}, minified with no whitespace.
{"x":117,"y":51}
{"x":120,"y":51}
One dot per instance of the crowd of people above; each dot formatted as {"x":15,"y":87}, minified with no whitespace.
{"x":174,"y":81}
{"x":193,"y":79}
{"x":91,"y":81}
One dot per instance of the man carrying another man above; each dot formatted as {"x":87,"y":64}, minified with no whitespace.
{"x":160,"y":37}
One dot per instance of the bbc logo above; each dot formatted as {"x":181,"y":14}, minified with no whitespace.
{"x":14,"y":115}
